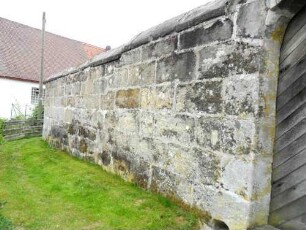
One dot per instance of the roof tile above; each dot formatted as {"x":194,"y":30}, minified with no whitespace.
{"x":20,"y":51}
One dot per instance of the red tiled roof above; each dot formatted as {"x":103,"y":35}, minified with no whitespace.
{"x":20,"y":51}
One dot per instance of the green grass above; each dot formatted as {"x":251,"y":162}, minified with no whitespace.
{"x":43,"y":188}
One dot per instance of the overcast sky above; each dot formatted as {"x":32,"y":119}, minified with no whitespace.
{"x":97,"y":22}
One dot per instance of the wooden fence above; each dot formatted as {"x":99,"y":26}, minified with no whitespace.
{"x":16,"y":129}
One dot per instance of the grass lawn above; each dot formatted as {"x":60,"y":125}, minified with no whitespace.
{"x":44,"y":188}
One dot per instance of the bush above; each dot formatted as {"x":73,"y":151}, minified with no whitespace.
{"x":35,"y":112}
{"x":2,"y":121}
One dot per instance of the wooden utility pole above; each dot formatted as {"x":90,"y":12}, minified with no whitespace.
{"x":40,"y":109}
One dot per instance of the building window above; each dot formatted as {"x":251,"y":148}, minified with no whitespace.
{"x":35,"y":95}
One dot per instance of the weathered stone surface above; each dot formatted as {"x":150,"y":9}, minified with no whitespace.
{"x":87,"y":88}
{"x":68,"y":115}
{"x":128,"y":122}
{"x":108,"y":101}
{"x":251,"y":19}
{"x":160,"y":97}
{"x":164,"y":96}
{"x":147,"y":98}
{"x":128,"y":98}
{"x":177,"y":66}
{"x":69,"y":101}
{"x":265,"y":227}
{"x":143,"y":74}
{"x":131,"y":57}
{"x":215,"y":200}
{"x":105,"y":158}
{"x":175,"y":129}
{"x":200,"y":97}
{"x":178,"y":160}
{"x":242,"y":171}
{"x":83,"y":147}
{"x":141,"y":173}
{"x":218,"y":31}
{"x":164,"y":181}
{"x":59,"y":136}
{"x":207,"y":166}
{"x":68,"y":90}
{"x":159,"y":48}
{"x":108,"y":68}
{"x":87,"y":132}
{"x":241,"y":96}
{"x":76,"y":89}
{"x":233,"y":137}
{"x":119,"y":78}
{"x":94,"y":72}
{"x":100,"y":86}
{"x":228,"y":59}
{"x":91,"y":101}
{"x":121,"y":162}
{"x":146,"y":124}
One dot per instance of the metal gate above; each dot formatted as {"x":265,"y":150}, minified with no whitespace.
{"x":288,"y":202}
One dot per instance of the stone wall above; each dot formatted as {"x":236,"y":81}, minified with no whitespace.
{"x":185,"y":109}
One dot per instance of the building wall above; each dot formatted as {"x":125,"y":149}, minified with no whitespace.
{"x":15,"y":92}
{"x":186,"y":108}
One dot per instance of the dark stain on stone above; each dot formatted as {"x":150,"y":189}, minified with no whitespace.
{"x":140,"y":171}
{"x":169,"y":133}
{"x":106,"y":158}
{"x":111,"y":139}
{"x":159,"y":48}
{"x":59,"y":133}
{"x":71,"y":129}
{"x":163,"y":182}
{"x":121,"y":158}
{"x":87,"y":133}
{"x":207,"y":96}
{"x":176,"y":66}
{"x":83,"y":146}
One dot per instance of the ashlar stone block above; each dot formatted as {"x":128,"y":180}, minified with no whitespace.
{"x":160,"y":97}
{"x":218,"y":31}
{"x":131,"y":57}
{"x":228,"y":59}
{"x":235,"y":137}
{"x":241,"y":95}
{"x":159,"y":48}
{"x":200,"y":97}
{"x":143,"y":74}
{"x":108,"y":101}
{"x":177,"y":66}
{"x":251,"y":19}
{"x":128,"y":98}
{"x":175,"y":129}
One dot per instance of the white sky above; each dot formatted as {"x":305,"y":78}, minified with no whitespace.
{"x":97,"y":22}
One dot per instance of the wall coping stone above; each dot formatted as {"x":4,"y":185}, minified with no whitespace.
{"x":179,"y":23}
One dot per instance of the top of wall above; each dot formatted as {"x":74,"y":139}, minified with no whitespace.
{"x":198,"y":15}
